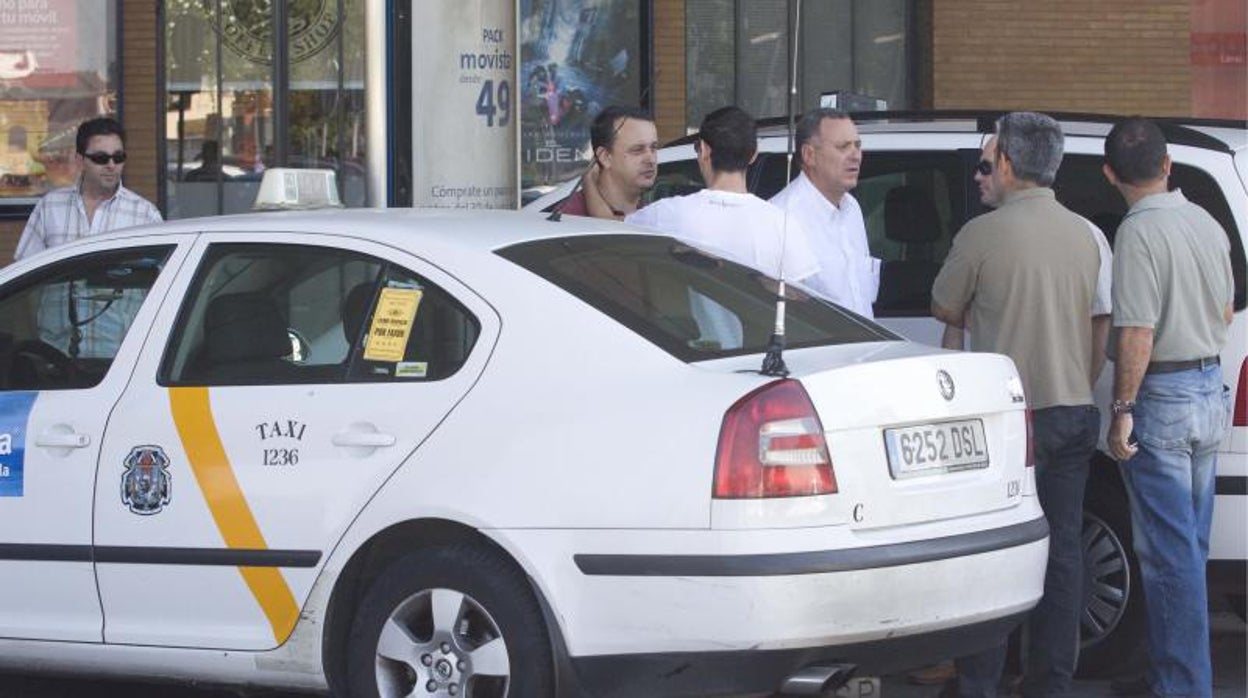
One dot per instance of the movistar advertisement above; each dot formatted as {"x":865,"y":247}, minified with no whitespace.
{"x":576,"y":57}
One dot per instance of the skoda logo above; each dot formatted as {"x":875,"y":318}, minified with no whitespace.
{"x":246,"y":26}
{"x":946,"y":384}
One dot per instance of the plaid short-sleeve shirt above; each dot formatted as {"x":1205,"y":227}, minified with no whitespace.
{"x":61,"y":217}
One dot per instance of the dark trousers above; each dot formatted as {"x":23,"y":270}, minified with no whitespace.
{"x":1064,"y":439}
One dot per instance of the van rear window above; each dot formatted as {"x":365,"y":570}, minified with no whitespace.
{"x":688,"y":302}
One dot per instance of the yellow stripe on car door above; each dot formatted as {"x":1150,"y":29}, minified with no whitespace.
{"x":192,"y":413}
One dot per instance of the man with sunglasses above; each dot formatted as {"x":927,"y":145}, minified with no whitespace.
{"x":80,"y":326}
{"x":1023,"y":278}
{"x":98,"y":202}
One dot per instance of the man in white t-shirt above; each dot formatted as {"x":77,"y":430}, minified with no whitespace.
{"x":725,"y":218}
{"x":830,"y":154}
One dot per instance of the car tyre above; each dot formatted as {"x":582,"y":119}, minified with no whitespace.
{"x":453,"y":620}
{"x":1112,"y":626}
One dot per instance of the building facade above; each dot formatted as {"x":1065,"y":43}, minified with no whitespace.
{"x":210,"y":99}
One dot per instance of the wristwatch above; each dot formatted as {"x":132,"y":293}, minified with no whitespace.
{"x":1119,"y":407}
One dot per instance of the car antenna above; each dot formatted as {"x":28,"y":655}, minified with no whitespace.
{"x":773,"y":360}
{"x":556,"y":213}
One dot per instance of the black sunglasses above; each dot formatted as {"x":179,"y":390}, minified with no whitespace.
{"x":103,"y":158}
{"x":984,"y":167}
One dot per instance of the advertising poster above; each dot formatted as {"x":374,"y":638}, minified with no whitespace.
{"x":577,"y":56}
{"x":463,"y":105}
{"x":14,"y":411}
{"x":52,"y":75}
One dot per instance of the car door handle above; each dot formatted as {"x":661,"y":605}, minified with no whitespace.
{"x":62,"y":439}
{"x":366,"y":439}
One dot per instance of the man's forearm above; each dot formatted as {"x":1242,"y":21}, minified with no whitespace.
{"x":1135,"y":346}
{"x":949,"y":317}
{"x":953,"y":338}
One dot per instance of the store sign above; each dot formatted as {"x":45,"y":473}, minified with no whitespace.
{"x":246,"y":27}
{"x":463,"y":110}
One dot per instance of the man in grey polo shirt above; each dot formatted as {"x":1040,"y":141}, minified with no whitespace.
{"x":1173,"y":296}
{"x":1023,"y":278}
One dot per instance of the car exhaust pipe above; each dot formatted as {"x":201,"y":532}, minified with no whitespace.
{"x":818,"y":679}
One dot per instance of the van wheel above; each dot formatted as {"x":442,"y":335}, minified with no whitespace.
{"x":454,"y":620}
{"x":1112,"y":627}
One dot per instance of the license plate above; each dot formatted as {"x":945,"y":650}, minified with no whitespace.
{"x":942,"y":447}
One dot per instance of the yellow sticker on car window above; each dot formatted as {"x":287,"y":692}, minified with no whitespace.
{"x":392,"y":324}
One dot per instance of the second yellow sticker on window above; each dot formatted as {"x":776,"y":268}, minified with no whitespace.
{"x":392,"y":324}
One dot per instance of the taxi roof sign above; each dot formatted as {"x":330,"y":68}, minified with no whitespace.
{"x":285,"y":188}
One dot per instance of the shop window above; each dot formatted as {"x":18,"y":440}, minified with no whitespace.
{"x":58,"y":68}
{"x":740,"y":53}
{"x":238,"y":105}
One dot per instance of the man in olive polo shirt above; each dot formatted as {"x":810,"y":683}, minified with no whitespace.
{"x":1173,"y":295}
{"x":1023,"y":278}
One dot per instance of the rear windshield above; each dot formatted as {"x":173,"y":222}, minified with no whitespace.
{"x":691,"y":304}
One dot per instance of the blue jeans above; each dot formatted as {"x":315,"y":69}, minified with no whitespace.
{"x":1179,"y":420}
{"x":1064,"y":440}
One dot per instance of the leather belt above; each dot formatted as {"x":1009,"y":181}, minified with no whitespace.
{"x":1175,"y":366}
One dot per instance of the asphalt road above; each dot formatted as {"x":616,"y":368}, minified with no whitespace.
{"x":1230,"y":668}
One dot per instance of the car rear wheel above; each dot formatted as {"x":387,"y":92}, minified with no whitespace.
{"x":455,"y":620}
{"x":1112,"y":626}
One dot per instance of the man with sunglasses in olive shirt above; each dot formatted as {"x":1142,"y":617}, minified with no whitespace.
{"x":98,"y":203}
{"x":1024,"y":277}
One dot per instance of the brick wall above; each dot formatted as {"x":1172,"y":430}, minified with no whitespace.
{"x":669,"y":68}
{"x":140,"y":81}
{"x":140,"y":112}
{"x":1113,"y":56}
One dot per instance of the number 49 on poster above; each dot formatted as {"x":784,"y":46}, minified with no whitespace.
{"x":489,"y":104}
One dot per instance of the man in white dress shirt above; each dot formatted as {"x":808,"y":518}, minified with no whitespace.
{"x":830,"y":154}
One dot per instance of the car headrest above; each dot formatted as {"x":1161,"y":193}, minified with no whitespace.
{"x":244,"y":326}
{"x":910,"y":215}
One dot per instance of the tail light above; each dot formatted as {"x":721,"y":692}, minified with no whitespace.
{"x":1031,"y":441}
{"x":771,"y":444}
{"x":1241,"y":396}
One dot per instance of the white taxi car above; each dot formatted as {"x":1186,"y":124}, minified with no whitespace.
{"x":916,"y":190}
{"x":394,"y":453}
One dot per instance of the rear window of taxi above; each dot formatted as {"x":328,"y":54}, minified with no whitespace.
{"x":688,"y":302}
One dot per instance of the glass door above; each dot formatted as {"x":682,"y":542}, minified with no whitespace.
{"x":237,"y":104}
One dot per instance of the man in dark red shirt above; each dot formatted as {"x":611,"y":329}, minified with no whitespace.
{"x":626,"y":147}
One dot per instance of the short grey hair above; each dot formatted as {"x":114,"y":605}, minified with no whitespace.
{"x":808,"y":126}
{"x":1033,"y":143}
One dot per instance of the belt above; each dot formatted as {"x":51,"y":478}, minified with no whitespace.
{"x":1175,"y":366}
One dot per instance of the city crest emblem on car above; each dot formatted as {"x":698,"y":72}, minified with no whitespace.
{"x":145,"y":484}
{"x":945,"y":381}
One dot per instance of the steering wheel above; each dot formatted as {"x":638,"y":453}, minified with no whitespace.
{"x":63,"y":368}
